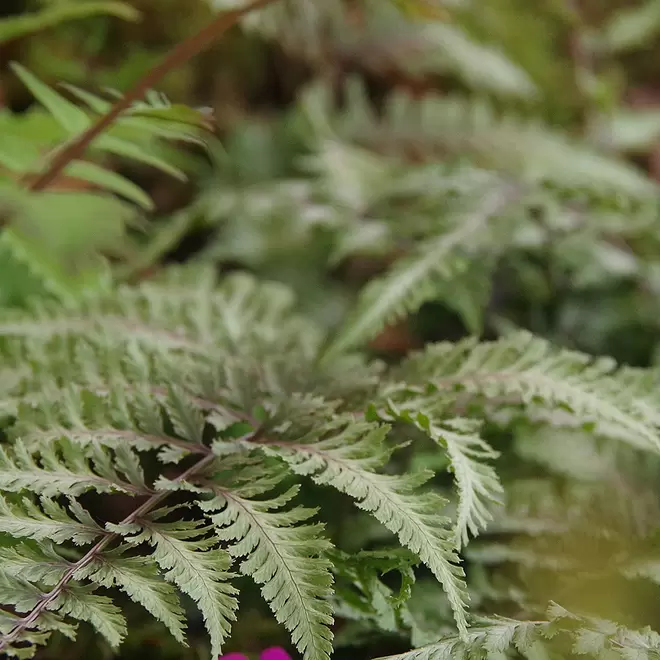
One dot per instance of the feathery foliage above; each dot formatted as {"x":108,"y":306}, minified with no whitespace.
{"x":248,"y":410}
{"x":168,"y":442}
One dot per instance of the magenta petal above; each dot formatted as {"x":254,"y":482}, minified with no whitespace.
{"x":233,"y":656}
{"x":275,"y":653}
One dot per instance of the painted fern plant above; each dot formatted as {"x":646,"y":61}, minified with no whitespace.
{"x":164,"y":444}
{"x":206,"y":405}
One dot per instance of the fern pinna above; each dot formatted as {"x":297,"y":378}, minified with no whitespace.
{"x":204,"y":405}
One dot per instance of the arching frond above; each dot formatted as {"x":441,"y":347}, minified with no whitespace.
{"x":48,"y":520}
{"x":587,"y":636}
{"x":430,"y":273}
{"x":534,"y":373}
{"x":436,"y":125}
{"x":280,"y":550}
{"x":477,"y":482}
{"x":345,"y":455}
{"x":195,"y":565}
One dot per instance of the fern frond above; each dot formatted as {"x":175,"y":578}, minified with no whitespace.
{"x":163,"y":317}
{"x":33,"y":563}
{"x":48,"y":521}
{"x":138,"y":578}
{"x":597,"y":638}
{"x":78,"y":602}
{"x":418,"y":278}
{"x":18,"y":26}
{"x":191,"y":561}
{"x":63,"y":470}
{"x":361,"y":590}
{"x":437,"y":125}
{"x":132,"y":136}
{"x":38,"y":635}
{"x":306,"y":23}
{"x":433,"y":47}
{"x":477,"y":482}
{"x":282,"y":553}
{"x":345,"y":455}
{"x":491,"y":637}
{"x":530,"y":371}
{"x":390,"y":35}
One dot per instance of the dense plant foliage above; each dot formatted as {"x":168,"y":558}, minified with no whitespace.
{"x":399,"y":400}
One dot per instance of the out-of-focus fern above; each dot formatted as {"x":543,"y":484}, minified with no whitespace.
{"x":442,"y":224}
{"x":403,"y":35}
{"x":437,"y":126}
{"x":562,"y":631}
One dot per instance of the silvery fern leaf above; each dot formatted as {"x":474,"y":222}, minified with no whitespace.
{"x":78,"y":602}
{"x":596,"y":638}
{"x":530,"y":371}
{"x":60,"y":469}
{"x":424,"y":275}
{"x":191,"y":561}
{"x":469,"y":456}
{"x":528,"y":151}
{"x":280,"y":551}
{"x":345,"y":455}
{"x":48,"y":520}
{"x":138,"y":578}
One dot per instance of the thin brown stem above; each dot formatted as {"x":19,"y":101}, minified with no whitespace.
{"x":29,"y":621}
{"x":177,"y":56}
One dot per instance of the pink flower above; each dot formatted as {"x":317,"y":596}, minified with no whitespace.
{"x":273,"y":653}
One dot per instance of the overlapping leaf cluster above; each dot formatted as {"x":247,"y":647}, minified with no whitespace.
{"x":215,"y":393}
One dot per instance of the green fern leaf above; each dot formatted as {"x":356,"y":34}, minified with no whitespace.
{"x":282,"y":553}
{"x":346,"y":459}
{"x":28,"y":643}
{"x":33,"y":563}
{"x":477,"y":482}
{"x":49,"y":520}
{"x":111,"y":181}
{"x":137,"y":577}
{"x":80,"y":602}
{"x":25,"y":24}
{"x":62,"y":470}
{"x":497,"y":635}
{"x":528,"y":151}
{"x":532,"y":372}
{"x":194,"y":565}
{"x":417,"y":279}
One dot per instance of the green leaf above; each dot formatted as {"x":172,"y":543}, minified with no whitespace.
{"x":138,"y":578}
{"x":425,"y":275}
{"x":195,"y":566}
{"x":60,"y":469}
{"x":283,"y":554}
{"x":619,"y":403}
{"x":631,"y":28}
{"x":345,"y":457}
{"x":111,"y":181}
{"x":478,"y":484}
{"x":82,"y":603}
{"x":67,"y":114}
{"x":20,"y":26}
{"x":48,"y":521}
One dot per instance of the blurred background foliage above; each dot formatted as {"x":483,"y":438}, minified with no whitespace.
{"x":347,"y":134}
